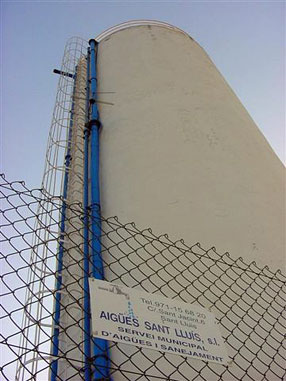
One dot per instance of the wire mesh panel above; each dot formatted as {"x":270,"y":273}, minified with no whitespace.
{"x":248,"y":301}
{"x":26,"y":271}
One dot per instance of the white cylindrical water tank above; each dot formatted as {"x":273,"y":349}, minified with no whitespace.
{"x":179,"y":152}
{"x":181,"y":155}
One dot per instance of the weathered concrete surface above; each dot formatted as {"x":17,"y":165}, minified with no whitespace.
{"x":179,"y":152}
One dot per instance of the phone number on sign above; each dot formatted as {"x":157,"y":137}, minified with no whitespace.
{"x":170,"y":310}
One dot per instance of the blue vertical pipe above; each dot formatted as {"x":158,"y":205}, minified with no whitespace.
{"x":100,"y":346}
{"x":57,"y":311}
{"x":87,"y":331}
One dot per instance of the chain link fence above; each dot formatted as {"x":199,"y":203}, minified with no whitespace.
{"x":248,"y":301}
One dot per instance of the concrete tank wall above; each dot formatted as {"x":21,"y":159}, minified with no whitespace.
{"x":179,"y":152}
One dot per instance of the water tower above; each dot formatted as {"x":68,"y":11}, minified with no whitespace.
{"x":145,"y":128}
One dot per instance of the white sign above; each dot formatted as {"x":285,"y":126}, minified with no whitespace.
{"x":130,"y":316}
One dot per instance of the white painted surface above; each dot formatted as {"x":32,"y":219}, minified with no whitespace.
{"x":151,"y":321}
{"x":179,"y":152}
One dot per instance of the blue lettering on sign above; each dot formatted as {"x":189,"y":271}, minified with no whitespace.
{"x":156,"y":327}
{"x":187,"y":334}
{"x":119,"y":318}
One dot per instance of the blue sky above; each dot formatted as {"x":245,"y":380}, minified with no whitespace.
{"x":245,"y":40}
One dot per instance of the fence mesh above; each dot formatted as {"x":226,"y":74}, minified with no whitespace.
{"x":248,"y":301}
